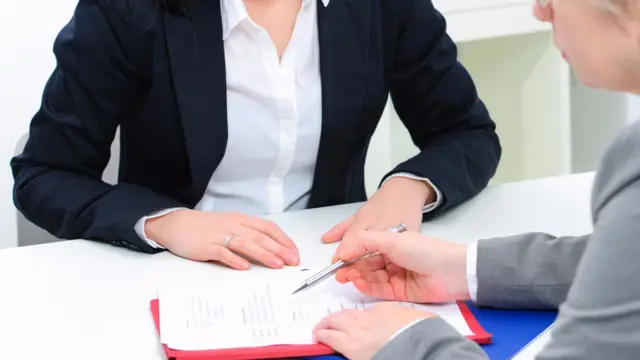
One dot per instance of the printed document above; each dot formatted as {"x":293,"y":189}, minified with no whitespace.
{"x":262,"y":311}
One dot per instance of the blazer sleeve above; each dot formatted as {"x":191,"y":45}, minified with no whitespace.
{"x":600,"y":317}
{"x":436,"y":100}
{"x":92,"y":90}
{"x":432,"y":339}
{"x":528,"y":271}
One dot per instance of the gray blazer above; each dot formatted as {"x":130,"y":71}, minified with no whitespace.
{"x":594,"y":279}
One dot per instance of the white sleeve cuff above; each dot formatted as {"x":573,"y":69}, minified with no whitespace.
{"x":472,"y":276}
{"x":139,"y":227}
{"x":405,"y":328}
{"x":428,"y":207}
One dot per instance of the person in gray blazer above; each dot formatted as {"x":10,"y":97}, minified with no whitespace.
{"x":594,"y":280}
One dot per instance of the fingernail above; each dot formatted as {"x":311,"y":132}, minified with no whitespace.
{"x":293,"y":259}
{"x":277,"y":263}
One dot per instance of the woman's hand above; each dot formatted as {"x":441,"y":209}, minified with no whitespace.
{"x":411,"y":267}
{"x":399,"y":200}
{"x":230,"y":238}
{"x":360,"y":334}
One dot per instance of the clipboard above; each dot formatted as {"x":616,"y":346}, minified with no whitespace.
{"x":480,"y":336}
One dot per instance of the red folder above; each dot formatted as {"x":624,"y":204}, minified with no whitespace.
{"x":287,"y":351}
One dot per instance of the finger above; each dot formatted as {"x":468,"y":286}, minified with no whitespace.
{"x":379,"y":290}
{"x":248,"y":247}
{"x":364,"y":242}
{"x":372,"y":274}
{"x":393,"y":269}
{"x":337,"y":232}
{"x":351,"y":242}
{"x":337,"y":340}
{"x":272,"y":230}
{"x":378,"y":276}
{"x":365,"y":265}
{"x":368,"y":264}
{"x":287,"y":255}
{"x":342,"y":321}
{"x":223,"y":255}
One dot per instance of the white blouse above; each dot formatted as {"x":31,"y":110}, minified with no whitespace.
{"x":274,"y":118}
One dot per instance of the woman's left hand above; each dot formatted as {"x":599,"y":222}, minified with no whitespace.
{"x":360,"y":334}
{"x":399,"y":200}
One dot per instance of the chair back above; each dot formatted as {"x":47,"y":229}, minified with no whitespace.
{"x":31,"y":234}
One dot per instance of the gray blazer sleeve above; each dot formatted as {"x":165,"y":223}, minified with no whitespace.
{"x":529,"y":271}
{"x":430,"y":339}
{"x":600,"y":315}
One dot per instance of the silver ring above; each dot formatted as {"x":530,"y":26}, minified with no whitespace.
{"x":227,"y":240}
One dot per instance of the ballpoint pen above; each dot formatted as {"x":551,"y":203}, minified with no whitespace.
{"x":333,"y":268}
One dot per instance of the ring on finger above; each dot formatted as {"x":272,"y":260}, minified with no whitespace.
{"x":228,"y":239}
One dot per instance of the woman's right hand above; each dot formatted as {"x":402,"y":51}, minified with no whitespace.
{"x":230,"y":238}
{"x":411,"y":267}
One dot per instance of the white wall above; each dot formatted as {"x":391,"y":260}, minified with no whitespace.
{"x":524,"y":83}
{"x":632,"y":108}
{"x":597,"y":116}
{"x":26,"y":61}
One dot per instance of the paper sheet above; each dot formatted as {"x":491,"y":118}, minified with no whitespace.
{"x":262,"y":312}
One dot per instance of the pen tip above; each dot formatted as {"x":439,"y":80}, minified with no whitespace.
{"x":298,"y":289}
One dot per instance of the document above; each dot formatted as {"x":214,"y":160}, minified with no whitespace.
{"x":261,"y":311}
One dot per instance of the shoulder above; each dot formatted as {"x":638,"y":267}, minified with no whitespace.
{"x":100,"y":29}
{"x":405,"y":6}
{"x":415,"y":14}
{"x":95,"y":20}
{"x":408,"y":8}
{"x":132,"y":15}
{"x":619,"y":168}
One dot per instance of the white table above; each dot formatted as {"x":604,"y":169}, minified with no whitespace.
{"x":84,"y":300}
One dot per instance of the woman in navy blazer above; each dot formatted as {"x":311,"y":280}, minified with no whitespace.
{"x":176,"y":77}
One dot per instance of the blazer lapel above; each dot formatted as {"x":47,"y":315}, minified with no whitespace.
{"x":343,"y":30}
{"x":196,"y":52}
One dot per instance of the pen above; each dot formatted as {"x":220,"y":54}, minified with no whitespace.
{"x":333,"y":268}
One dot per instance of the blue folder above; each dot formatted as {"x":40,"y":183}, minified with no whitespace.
{"x":511,"y":330}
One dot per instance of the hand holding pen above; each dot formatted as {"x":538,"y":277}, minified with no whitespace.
{"x":410,"y":267}
{"x":332,"y":269}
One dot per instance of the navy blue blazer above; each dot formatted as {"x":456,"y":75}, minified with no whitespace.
{"x":160,"y":76}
